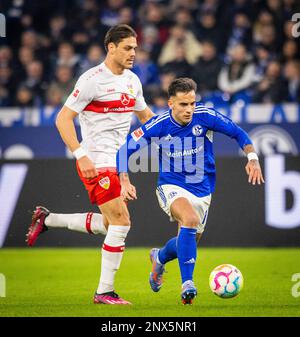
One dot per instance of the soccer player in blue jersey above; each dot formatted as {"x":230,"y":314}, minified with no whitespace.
{"x":184,"y":136}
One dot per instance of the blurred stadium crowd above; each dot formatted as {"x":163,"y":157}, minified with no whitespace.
{"x":233,"y":49}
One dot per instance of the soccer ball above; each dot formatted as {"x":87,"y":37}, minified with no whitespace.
{"x":226,"y":281}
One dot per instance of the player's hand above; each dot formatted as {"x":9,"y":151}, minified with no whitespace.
{"x":128,"y":191}
{"x":254,"y":172}
{"x":87,"y":168}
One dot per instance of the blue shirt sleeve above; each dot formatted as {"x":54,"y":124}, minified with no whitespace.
{"x":136,"y":140}
{"x":216,"y":121}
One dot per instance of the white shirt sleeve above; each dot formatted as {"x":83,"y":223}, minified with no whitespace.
{"x":140,"y":103}
{"x":82,"y":95}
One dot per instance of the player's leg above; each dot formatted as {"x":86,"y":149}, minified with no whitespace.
{"x":95,"y":223}
{"x":104,"y":191}
{"x":43,"y":219}
{"x":166,"y":195}
{"x":113,"y":247}
{"x":179,"y":246}
{"x":183,"y":211}
{"x":169,"y":251}
{"x":91,"y":223}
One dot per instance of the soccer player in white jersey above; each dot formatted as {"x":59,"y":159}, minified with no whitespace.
{"x":104,"y":98}
{"x":186,"y":180}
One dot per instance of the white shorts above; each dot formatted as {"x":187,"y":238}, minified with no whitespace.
{"x":168,"y":193}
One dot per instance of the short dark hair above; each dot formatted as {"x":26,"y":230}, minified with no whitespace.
{"x":117,"y":33}
{"x":181,"y":84}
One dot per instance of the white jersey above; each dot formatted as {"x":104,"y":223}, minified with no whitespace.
{"x":105,"y":103}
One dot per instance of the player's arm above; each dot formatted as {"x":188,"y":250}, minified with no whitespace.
{"x":135,"y":141}
{"x":66,"y":127}
{"x":128,"y":191}
{"x":82,"y":95}
{"x":144,"y":115}
{"x":253,"y":168}
{"x":220,"y":123}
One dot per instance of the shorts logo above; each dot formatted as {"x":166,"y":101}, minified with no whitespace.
{"x":137,"y":134}
{"x":76,"y":93}
{"x":104,"y":183}
{"x":172,"y":195}
{"x":197,"y":130}
{"x":125,"y":99}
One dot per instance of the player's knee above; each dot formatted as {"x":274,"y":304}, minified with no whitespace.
{"x":191,"y":221}
{"x":126,"y":221}
{"x":121,"y":218}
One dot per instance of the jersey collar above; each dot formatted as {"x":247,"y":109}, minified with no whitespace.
{"x":110,"y":72}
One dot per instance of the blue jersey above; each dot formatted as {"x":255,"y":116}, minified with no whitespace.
{"x":186,"y":155}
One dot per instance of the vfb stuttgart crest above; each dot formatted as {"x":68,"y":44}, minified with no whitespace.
{"x":125,"y":99}
{"x":104,"y":183}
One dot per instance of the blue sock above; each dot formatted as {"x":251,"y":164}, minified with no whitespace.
{"x":187,"y":252}
{"x":169,"y":251}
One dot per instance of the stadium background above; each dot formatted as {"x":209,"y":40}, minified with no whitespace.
{"x":244,"y":55}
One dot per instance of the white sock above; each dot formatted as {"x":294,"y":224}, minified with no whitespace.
{"x":81,"y":222}
{"x":112,"y":253}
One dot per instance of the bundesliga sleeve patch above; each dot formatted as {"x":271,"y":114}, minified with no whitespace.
{"x":137,"y":134}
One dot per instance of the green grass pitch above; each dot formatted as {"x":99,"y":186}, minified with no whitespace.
{"x":61,"y":282}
